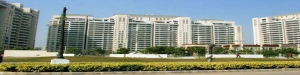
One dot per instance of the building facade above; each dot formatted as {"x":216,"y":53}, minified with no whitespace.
{"x":18,"y":25}
{"x":282,"y":29}
{"x":137,"y":32}
{"x":75,"y":27}
{"x":219,"y":32}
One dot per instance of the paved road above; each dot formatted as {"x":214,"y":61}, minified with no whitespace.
{"x":294,"y":72}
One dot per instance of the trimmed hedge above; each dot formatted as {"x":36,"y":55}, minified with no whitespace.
{"x":144,"y":66}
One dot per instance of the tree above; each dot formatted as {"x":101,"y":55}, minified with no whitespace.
{"x":198,"y":51}
{"x":22,"y":48}
{"x":232,"y":51}
{"x":99,"y":51}
{"x":284,"y":52}
{"x":123,"y":51}
{"x":17,"y":48}
{"x":73,"y":50}
{"x":219,"y":50}
{"x":246,"y":51}
{"x":158,"y":50}
{"x":268,"y":53}
{"x":179,"y":51}
{"x":169,"y":50}
{"x":87,"y":52}
{"x":1,"y":50}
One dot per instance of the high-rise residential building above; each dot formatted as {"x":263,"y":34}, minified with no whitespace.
{"x":74,"y":32}
{"x":219,"y":32}
{"x":281,"y":29}
{"x":18,"y":25}
{"x":137,"y":32}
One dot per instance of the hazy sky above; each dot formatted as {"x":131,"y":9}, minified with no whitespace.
{"x":240,"y":11}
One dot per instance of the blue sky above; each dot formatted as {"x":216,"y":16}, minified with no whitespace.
{"x":240,"y":11}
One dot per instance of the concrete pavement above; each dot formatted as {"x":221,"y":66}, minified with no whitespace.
{"x":294,"y":72}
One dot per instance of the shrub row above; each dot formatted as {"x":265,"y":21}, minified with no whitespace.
{"x":144,"y":66}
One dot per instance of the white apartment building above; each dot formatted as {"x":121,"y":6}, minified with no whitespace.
{"x":281,"y":29}
{"x":74,"y":32}
{"x":18,"y":25}
{"x":137,"y":32}
{"x":219,"y":32}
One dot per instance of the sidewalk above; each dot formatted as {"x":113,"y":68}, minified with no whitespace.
{"x":148,"y":72}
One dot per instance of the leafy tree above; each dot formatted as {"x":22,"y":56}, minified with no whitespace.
{"x":246,"y":51}
{"x":73,"y":50}
{"x":179,"y":51}
{"x":268,"y":53}
{"x":169,"y":50}
{"x":199,"y":51}
{"x":219,"y":50}
{"x":1,"y":50}
{"x":87,"y":52}
{"x":28,"y":48}
{"x":232,"y":51}
{"x":123,"y":51}
{"x":284,"y":52}
{"x":158,"y":50}
{"x":17,"y":48}
{"x":107,"y":52}
{"x":22,"y":48}
{"x":99,"y":51}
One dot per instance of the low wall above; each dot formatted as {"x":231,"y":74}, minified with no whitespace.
{"x":234,"y":56}
{"x":140,"y":55}
{"x":31,"y":53}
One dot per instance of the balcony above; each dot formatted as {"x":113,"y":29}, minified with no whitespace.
{"x":3,"y":4}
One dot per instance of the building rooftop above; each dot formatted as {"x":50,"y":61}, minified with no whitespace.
{"x":148,"y":15}
{"x":287,"y":14}
{"x":78,"y":15}
{"x":212,"y":19}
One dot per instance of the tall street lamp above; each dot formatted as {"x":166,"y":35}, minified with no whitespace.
{"x":60,"y":58}
{"x":62,"y":39}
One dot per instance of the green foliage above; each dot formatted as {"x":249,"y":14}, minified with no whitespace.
{"x":220,"y":50}
{"x":73,"y":50}
{"x":123,"y":51}
{"x":88,"y":52}
{"x":159,"y":50}
{"x":284,"y":52}
{"x":144,"y":66}
{"x":273,"y":53}
{"x":268,"y":53}
{"x":99,"y":51}
{"x":22,"y":48}
{"x":232,"y":51}
{"x":246,"y":51}
{"x":176,"y":51}
{"x":1,"y":50}
{"x":179,"y":51}
{"x":199,"y":51}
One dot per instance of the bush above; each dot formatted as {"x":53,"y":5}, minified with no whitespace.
{"x":143,"y":66}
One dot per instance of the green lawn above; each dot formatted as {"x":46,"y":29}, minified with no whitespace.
{"x":111,"y":59}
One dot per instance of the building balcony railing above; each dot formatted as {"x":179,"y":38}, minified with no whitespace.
{"x":3,"y":4}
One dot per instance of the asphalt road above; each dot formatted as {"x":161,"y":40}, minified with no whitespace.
{"x":293,"y":72}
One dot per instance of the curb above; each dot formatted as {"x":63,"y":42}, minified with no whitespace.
{"x":143,"y":72}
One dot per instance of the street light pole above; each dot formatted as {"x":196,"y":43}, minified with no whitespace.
{"x":60,"y":57}
{"x":63,"y":18}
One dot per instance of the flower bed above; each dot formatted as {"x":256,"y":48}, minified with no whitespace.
{"x":144,"y":66}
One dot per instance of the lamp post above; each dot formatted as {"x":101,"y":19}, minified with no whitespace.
{"x":63,"y":18}
{"x":60,"y":58}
